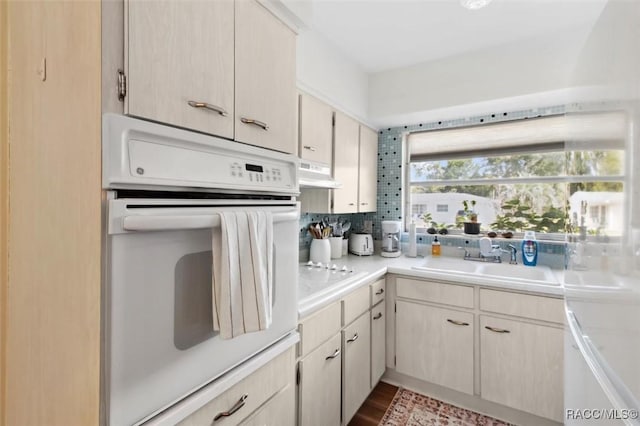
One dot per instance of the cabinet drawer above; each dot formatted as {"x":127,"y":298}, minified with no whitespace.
{"x":448,"y":294}
{"x":319,"y":327}
{"x":255,"y":390}
{"x":377,"y":292}
{"x":355,"y":304}
{"x":522,"y":305}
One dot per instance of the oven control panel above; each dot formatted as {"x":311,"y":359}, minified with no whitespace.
{"x":148,"y":155}
{"x":255,"y":173}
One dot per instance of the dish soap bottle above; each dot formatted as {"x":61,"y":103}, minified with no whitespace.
{"x":435,"y":247}
{"x":529,"y":249}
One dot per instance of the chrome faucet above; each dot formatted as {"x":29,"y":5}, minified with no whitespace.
{"x":467,"y":255}
{"x":513,"y":259}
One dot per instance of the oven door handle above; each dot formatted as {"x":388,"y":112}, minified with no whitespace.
{"x":142,"y":223}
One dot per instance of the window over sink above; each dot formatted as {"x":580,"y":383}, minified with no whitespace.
{"x":537,"y":174}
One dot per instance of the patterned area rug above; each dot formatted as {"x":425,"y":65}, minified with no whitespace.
{"x":412,"y":409}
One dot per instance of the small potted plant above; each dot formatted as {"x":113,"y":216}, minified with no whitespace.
{"x":471,"y":225}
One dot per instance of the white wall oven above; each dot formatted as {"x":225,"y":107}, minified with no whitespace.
{"x":166,"y":190}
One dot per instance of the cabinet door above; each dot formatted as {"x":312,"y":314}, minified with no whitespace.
{"x":368,"y":177}
{"x":266,"y":99}
{"x":320,"y":372}
{"x":378,"y":346}
{"x":345,"y":164}
{"x":316,"y":130}
{"x":181,"y":52}
{"x":278,"y":411}
{"x":356,"y":381}
{"x":521,"y":366}
{"x":435,"y":345}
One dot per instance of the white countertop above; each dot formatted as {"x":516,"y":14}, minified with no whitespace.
{"x":319,"y":287}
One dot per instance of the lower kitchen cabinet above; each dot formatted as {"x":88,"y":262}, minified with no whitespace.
{"x":356,"y":381}
{"x":378,"y":345}
{"x":521,"y":365}
{"x":266,"y":394}
{"x":435,"y":345}
{"x":280,"y":410}
{"x":320,"y":380}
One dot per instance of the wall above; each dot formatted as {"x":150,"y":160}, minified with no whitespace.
{"x":512,"y":76}
{"x":4,"y":198}
{"x":330,"y":76}
{"x":53,"y":297}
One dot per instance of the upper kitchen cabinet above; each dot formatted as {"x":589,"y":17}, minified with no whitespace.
{"x":355,"y":166}
{"x":265,"y":83}
{"x":180,"y":63}
{"x":220,"y":67}
{"x":368,"y":170}
{"x":345,"y":164}
{"x":316,"y":130}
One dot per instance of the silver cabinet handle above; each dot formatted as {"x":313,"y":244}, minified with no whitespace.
{"x":454,"y":322}
{"x":335,"y":355}
{"x":210,"y":107}
{"x":364,"y":204}
{"x":353,"y":339}
{"x":254,"y":122}
{"x":238,"y":405}
{"x":497,"y":330}
{"x":352,"y":204}
{"x":379,"y":292}
{"x":310,"y":148}
{"x":378,"y":316}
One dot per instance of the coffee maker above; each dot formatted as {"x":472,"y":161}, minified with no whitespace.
{"x":391,"y":238}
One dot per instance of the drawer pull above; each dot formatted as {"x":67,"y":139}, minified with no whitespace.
{"x":353,"y":339}
{"x":364,"y":204}
{"x":352,"y":204}
{"x":310,"y":148}
{"x":254,"y":122}
{"x":210,"y":107}
{"x":378,"y":316}
{"x":335,"y":355}
{"x":497,"y":330}
{"x":238,"y":405}
{"x":379,"y":292}
{"x":455,"y":322}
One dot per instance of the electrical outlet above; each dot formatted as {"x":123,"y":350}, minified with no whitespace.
{"x":368,"y":226}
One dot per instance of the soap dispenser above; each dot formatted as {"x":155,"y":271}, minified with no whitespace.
{"x":529,"y":249}
{"x":435,"y":247}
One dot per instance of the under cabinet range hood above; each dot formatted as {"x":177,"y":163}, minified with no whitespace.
{"x":316,"y":175}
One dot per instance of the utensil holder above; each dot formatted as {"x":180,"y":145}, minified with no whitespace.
{"x":336,"y":247}
{"x":320,"y":250}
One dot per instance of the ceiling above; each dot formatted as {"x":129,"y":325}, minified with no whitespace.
{"x":381,"y":35}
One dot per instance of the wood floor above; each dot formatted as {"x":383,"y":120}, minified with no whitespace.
{"x":373,"y":409}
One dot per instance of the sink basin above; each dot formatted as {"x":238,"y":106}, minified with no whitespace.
{"x":449,"y":265}
{"x":540,"y":274}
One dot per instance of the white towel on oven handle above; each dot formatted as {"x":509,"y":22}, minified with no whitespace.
{"x":242,"y":272}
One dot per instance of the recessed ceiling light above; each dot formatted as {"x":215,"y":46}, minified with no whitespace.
{"x":474,"y":4}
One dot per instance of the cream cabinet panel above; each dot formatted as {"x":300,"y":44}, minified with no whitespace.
{"x":378,"y":345}
{"x":316,"y":130}
{"x":265,"y":84}
{"x":180,"y":66}
{"x":356,"y":384}
{"x":368,"y":170}
{"x":521,"y":366}
{"x":278,"y":411}
{"x":249,"y":394}
{"x":345,"y":165}
{"x":319,"y":390}
{"x":435,"y":345}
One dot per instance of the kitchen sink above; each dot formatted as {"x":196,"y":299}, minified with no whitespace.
{"x":449,"y":265}
{"x":539,"y":274}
